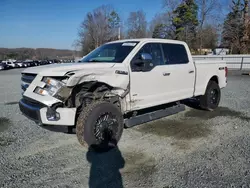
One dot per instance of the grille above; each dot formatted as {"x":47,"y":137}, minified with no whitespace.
{"x":32,"y":102}
{"x":28,"y":78}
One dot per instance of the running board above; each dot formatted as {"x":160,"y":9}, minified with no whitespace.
{"x":147,"y":117}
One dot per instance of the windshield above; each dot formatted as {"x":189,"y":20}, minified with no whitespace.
{"x":114,"y":52}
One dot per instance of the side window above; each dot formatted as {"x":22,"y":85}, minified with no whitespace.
{"x":175,"y":54}
{"x":154,"y":49}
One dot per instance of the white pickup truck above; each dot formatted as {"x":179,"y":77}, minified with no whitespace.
{"x":120,"y":84}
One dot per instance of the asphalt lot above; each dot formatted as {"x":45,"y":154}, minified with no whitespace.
{"x":191,"y":149}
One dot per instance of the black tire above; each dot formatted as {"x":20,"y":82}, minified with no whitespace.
{"x":211,"y":99}
{"x":110,"y":129}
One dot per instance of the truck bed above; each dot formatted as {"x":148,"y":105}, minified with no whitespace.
{"x":205,"y":69}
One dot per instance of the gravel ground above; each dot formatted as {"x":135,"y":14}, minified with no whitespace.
{"x":191,"y":149}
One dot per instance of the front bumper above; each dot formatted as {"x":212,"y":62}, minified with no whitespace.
{"x":31,"y":111}
{"x":39,"y":113}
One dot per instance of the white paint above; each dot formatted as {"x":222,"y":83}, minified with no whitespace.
{"x":64,"y":120}
{"x":147,"y":89}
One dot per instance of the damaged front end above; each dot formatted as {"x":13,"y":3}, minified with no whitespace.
{"x":56,"y":100}
{"x":44,"y":100}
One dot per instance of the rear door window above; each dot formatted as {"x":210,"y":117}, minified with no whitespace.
{"x":174,"y":53}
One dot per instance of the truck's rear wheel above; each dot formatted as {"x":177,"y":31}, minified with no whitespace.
{"x":211,"y":99}
{"x":100,"y":125}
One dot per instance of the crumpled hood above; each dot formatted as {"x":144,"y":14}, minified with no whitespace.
{"x":116,"y":76}
{"x":62,"y":69}
{"x":113,"y":74}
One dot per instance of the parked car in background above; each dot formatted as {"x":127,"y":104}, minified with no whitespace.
{"x":56,"y":61}
{"x":11,"y":64}
{"x":44,"y":62}
{"x":50,"y":61}
{"x":32,"y":64}
{"x":4,"y":66}
{"x":36,"y":63}
{"x":19,"y":64}
{"x":29,"y":63}
{"x":26,"y":64}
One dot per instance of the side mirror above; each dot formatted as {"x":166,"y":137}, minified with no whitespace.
{"x":146,"y":58}
{"x":143,"y":63}
{"x":143,"y":60}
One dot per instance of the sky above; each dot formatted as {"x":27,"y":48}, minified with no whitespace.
{"x":55,"y":23}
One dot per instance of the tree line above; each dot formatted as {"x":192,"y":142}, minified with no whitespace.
{"x":35,"y":54}
{"x":200,"y":23}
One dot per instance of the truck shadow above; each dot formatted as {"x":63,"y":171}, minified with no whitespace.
{"x":105,"y":168}
{"x":219,"y":112}
{"x":192,"y":125}
{"x":192,"y":103}
{"x":58,"y":128}
{"x":198,"y":112}
{"x":108,"y":168}
{"x":186,"y":129}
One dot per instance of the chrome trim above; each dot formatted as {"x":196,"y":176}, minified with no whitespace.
{"x":28,"y":78}
{"x":24,"y":86}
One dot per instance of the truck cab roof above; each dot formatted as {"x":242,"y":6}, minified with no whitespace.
{"x":148,"y":40}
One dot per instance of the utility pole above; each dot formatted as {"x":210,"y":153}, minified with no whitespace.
{"x":119,"y":32}
{"x":119,"y":29}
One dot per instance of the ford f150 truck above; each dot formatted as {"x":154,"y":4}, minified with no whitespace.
{"x":120,"y":84}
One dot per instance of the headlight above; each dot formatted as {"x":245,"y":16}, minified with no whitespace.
{"x":41,"y":91}
{"x":52,"y":82}
{"x":51,"y":88}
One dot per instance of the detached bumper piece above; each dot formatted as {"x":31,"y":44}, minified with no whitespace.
{"x":41,"y":114}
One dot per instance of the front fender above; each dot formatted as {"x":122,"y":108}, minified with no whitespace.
{"x":116,"y":79}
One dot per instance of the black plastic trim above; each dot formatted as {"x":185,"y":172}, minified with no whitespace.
{"x":147,"y":117}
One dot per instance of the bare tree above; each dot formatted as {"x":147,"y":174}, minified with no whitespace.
{"x":98,"y":27}
{"x":161,"y":19}
{"x":210,"y":38}
{"x":171,"y":5}
{"x":137,"y":25}
{"x":207,"y":9}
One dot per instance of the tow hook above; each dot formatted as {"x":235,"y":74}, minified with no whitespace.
{"x":52,"y":114}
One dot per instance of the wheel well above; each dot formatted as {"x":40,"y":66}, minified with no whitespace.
{"x":91,"y":90}
{"x":90,"y":86}
{"x":215,"y":79}
{"x":100,"y":84}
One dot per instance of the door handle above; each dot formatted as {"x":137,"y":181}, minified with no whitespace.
{"x":166,"y":74}
{"x":190,"y":72}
